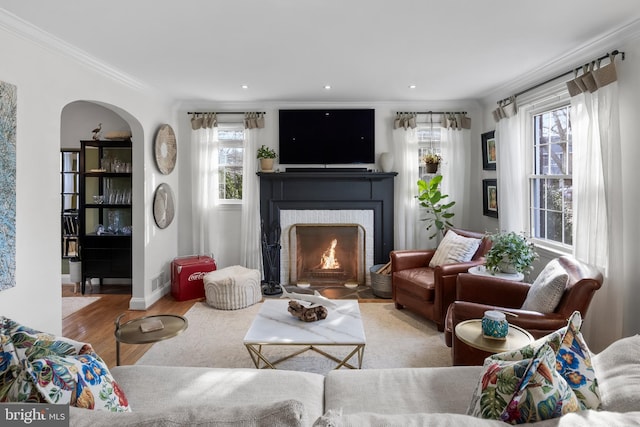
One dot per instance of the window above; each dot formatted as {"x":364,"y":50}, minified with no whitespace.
{"x":230,"y":158}
{"x":551,"y":183}
{"x":429,"y":138}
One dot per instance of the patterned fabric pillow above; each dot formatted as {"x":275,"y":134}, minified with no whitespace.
{"x":40,"y":367}
{"x":523,"y":391}
{"x":546,"y":291}
{"x":454,"y":248}
{"x":574,"y":364}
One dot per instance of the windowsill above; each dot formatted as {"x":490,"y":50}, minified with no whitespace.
{"x":551,"y":249}
{"x":230,"y":206}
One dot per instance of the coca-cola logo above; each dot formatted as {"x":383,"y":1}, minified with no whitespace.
{"x":196,"y":276}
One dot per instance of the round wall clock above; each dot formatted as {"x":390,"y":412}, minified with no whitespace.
{"x":166,"y":149}
{"x":163,"y":207}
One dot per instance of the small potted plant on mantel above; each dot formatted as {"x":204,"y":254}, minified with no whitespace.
{"x":510,"y":253}
{"x":266,"y":156}
{"x":432,"y":161}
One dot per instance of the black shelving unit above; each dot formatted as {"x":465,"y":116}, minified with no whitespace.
{"x":105,"y":212}
{"x":69,"y":174}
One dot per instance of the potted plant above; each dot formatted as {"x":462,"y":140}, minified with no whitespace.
{"x":431,"y":198}
{"x":266,"y":156}
{"x":510,"y":253}
{"x":432,"y":161}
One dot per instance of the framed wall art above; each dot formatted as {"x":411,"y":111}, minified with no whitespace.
{"x":489,"y":151}
{"x":490,"y":197}
{"x":8,"y":115}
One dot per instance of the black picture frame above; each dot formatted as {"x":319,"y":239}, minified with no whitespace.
{"x":490,"y":197}
{"x":489,"y":151}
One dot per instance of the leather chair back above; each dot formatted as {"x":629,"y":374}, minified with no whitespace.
{"x":584,"y":281}
{"x":485,"y":241}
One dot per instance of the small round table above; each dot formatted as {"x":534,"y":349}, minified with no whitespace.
{"x":481,"y":270}
{"x":131,"y":332}
{"x":470,"y":333}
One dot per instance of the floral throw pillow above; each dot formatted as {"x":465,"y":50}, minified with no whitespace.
{"x":40,"y":367}
{"x":574,"y":364}
{"x":523,"y":391}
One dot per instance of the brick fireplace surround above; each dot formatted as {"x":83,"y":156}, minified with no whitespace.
{"x":326,"y":189}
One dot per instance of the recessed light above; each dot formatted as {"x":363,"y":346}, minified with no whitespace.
{"x":327,"y":87}
{"x":412,"y":86}
{"x":245,"y":86}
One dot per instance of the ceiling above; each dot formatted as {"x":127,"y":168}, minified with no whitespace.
{"x":288,"y":50}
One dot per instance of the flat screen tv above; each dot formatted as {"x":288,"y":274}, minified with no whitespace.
{"x":327,"y":137}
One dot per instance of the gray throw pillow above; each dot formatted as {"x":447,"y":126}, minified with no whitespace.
{"x":287,"y":413}
{"x":546,"y":291}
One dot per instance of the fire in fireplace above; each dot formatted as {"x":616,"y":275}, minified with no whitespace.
{"x":326,"y":254}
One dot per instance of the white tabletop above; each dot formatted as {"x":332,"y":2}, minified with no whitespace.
{"x":275,"y":325}
{"x":481,"y":270}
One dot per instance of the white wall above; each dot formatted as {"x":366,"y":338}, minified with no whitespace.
{"x":230,"y":216}
{"x":48,"y":80}
{"x":629,"y":89}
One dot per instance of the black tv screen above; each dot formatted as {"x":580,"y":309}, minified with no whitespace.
{"x":341,"y":136}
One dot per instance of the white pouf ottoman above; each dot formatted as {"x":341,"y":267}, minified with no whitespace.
{"x":232,"y":288}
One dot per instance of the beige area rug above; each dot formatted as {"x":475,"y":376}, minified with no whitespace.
{"x":395,"y":339}
{"x":72,"y":304}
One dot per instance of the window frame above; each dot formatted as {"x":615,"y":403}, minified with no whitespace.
{"x":537,"y":108}
{"x":229,"y":143}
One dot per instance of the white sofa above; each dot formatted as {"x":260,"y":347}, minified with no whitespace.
{"x":171,"y":396}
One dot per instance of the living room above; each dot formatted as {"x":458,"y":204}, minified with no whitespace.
{"x":50,"y":73}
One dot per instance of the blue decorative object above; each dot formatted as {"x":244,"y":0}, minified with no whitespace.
{"x":495,"y":325}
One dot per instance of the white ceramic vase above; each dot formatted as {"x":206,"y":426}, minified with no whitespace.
{"x":386,"y":162}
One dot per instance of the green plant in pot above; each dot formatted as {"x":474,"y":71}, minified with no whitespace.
{"x":510,"y":253}
{"x":431,"y":198}
{"x":432,"y":161}
{"x":266,"y":156}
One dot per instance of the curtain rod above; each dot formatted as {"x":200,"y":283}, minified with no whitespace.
{"x":522,"y":92}
{"x":225,"y":112}
{"x":431,"y":112}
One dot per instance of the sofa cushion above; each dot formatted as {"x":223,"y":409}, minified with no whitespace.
{"x":453,"y":249}
{"x":574,"y":419}
{"x":40,"y":367}
{"x":546,"y":291}
{"x":519,"y":391}
{"x":401,"y":390}
{"x":618,"y":373}
{"x":280,"y":414}
{"x":153,"y":388}
{"x":418,"y":282}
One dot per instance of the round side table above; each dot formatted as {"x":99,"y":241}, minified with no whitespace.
{"x":131,"y":332}
{"x":470,"y":333}
{"x":481,"y":270}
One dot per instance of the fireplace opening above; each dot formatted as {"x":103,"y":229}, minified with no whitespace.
{"x":326,"y":254}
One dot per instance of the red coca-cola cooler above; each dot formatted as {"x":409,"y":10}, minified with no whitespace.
{"x":186,"y":276}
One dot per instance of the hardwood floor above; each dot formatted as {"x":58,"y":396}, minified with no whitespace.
{"x":95,"y":323}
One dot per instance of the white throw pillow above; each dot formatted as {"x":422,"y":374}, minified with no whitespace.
{"x":454,"y":248}
{"x":546,"y":291}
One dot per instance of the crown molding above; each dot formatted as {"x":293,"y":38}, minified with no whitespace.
{"x":25,"y":30}
{"x":573,"y":59}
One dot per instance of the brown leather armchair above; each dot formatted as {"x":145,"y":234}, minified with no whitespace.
{"x":477,"y":294}
{"x":425,"y":290}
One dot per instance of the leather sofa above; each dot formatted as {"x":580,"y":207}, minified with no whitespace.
{"x":477,"y":294}
{"x":429,"y":291}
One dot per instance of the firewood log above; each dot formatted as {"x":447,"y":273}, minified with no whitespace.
{"x":307,"y":314}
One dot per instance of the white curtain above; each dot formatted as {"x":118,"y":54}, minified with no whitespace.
{"x":597,"y":231}
{"x":455,"y":166}
{"x":204,"y":178}
{"x":405,"y":153}
{"x":250,"y":251}
{"x":511,"y":167}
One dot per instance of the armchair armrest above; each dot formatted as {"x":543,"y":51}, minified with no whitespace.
{"x":491,"y":291}
{"x":457,"y":268}
{"x":403,"y":260}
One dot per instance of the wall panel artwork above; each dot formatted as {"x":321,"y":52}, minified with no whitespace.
{"x":8,"y":105}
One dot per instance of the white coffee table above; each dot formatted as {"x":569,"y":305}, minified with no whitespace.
{"x":274,"y":325}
